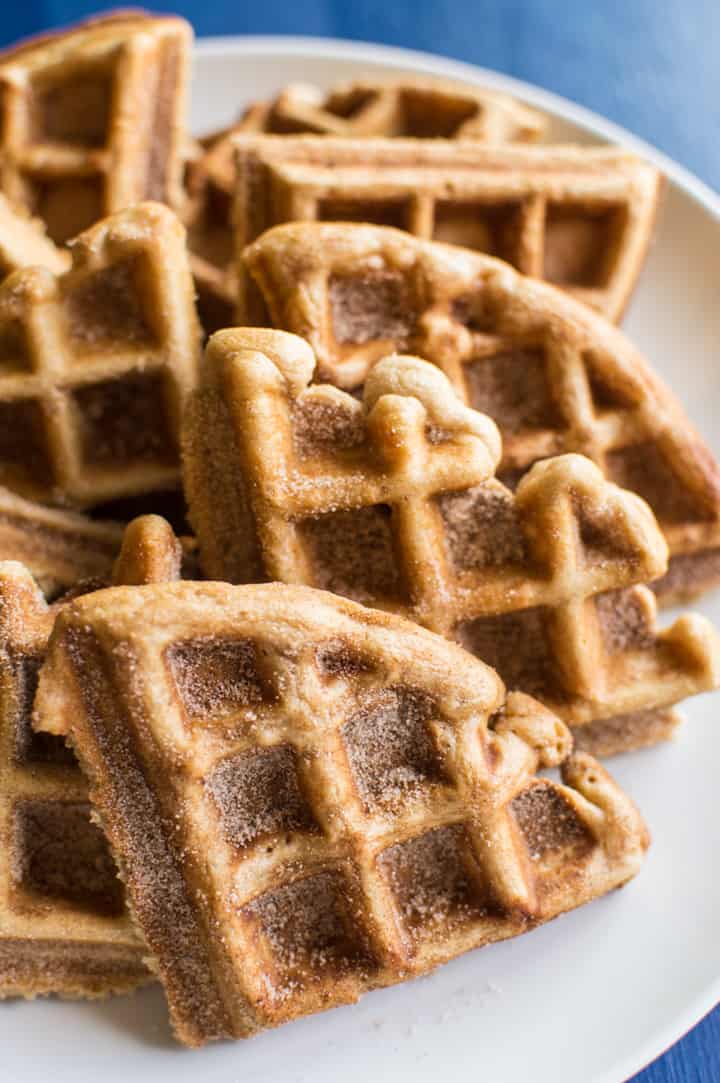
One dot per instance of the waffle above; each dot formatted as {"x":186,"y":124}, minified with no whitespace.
{"x":58,"y":547}
{"x":63,"y":923}
{"x":92,"y":119}
{"x":306,"y":807}
{"x":394,"y":503}
{"x":23,"y":242}
{"x":580,"y":218}
{"x":94,"y":363}
{"x":423,"y":108}
{"x":554,"y":376}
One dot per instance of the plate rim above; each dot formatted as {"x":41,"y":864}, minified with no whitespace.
{"x":678,"y":175}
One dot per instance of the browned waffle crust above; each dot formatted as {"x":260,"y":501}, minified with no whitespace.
{"x":96,"y":362}
{"x":394,"y":502}
{"x":421,"y":108}
{"x":92,"y":119}
{"x":63,"y":924}
{"x":58,"y":547}
{"x":578,"y":217}
{"x":310,"y":799}
{"x":552,"y":374}
{"x":23,"y":243}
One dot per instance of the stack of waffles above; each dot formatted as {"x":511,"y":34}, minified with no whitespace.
{"x":289,"y":630}
{"x":424,"y":109}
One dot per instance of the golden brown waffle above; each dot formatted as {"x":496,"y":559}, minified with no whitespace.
{"x":552,"y":374}
{"x":578,"y":217}
{"x":63,"y":924}
{"x":420,"y":108}
{"x":24,"y":243}
{"x":92,"y":119}
{"x":309,"y":799}
{"x":59,"y":547}
{"x":394,"y":503}
{"x":95,"y":363}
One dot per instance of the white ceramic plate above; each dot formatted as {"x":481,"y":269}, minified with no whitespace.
{"x":597,"y":994}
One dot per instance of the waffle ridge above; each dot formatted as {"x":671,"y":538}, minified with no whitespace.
{"x":97,"y":363}
{"x":394,"y":502}
{"x":93,"y":117}
{"x":63,"y":924}
{"x":58,"y":547}
{"x":580,"y":218}
{"x":391,"y":818}
{"x":364,"y":107}
{"x":24,"y":243}
{"x":555,"y":376}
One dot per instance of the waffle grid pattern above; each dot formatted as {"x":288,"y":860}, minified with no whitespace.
{"x":62,"y":923}
{"x":553,"y":377}
{"x":63,"y":926}
{"x":426,"y":108}
{"x":80,"y":136}
{"x":95,"y":363}
{"x":375,"y":839}
{"x":578,"y":218}
{"x":522,"y":580}
{"x":442,"y":110}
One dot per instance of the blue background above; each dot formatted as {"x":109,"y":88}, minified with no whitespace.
{"x":651,"y":65}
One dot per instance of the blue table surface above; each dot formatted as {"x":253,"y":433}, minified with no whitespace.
{"x":651,"y":65}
